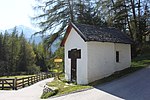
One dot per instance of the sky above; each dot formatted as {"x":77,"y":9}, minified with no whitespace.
{"x":15,"y":12}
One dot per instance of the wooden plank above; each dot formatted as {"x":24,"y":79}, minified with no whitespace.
{"x":6,"y":87}
{"x":20,"y":85}
{"x":9,"y":83}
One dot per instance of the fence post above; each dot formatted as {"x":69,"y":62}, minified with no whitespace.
{"x":34,"y":79}
{"x":46,"y":75}
{"x":28,"y":81}
{"x":31,"y":79}
{"x":15,"y":84}
{"x":39,"y":77}
{"x":2,"y":84}
{"x":42,"y":76}
{"x":22,"y":82}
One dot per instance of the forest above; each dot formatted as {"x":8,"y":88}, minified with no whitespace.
{"x":19,"y":56}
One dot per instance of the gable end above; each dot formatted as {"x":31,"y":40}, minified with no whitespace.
{"x":70,"y":26}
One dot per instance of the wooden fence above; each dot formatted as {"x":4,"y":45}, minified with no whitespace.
{"x":18,"y":83}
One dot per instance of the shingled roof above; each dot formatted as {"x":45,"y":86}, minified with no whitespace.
{"x":94,"y":33}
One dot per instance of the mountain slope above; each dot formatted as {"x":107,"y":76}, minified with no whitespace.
{"x":28,"y":32}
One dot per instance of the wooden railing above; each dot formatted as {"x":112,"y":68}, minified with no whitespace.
{"x":18,"y":83}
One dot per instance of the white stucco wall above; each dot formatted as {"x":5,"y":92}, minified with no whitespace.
{"x":75,"y":41}
{"x":124,"y":56}
{"x":102,"y":59}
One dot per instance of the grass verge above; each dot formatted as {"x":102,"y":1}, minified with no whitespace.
{"x":64,"y":87}
{"x":46,"y":95}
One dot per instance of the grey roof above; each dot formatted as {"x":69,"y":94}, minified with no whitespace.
{"x":105,"y":34}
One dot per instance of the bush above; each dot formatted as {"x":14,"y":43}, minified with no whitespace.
{"x":33,"y":69}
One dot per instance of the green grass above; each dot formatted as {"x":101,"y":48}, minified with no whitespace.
{"x":64,"y":87}
{"x":141,"y":61}
{"x":46,"y":95}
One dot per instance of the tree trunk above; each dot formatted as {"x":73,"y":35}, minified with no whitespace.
{"x":71,"y":10}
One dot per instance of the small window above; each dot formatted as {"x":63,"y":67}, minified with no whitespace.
{"x":117,"y":56}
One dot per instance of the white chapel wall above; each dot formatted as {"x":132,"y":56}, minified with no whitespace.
{"x":124,"y":56}
{"x":75,"y":41}
{"x":100,"y":60}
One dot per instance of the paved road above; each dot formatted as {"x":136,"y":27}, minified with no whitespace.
{"x":136,"y":86}
{"x":32,"y":92}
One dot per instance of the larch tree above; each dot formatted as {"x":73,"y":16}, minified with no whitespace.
{"x":54,"y":16}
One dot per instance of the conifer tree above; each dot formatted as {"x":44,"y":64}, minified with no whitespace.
{"x":55,"y":15}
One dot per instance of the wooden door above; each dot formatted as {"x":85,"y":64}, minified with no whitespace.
{"x":74,"y":54}
{"x":73,"y":70}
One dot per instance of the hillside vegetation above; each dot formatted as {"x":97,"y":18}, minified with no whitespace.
{"x":18,"y":56}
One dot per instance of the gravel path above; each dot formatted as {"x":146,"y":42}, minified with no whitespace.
{"x":32,"y":92}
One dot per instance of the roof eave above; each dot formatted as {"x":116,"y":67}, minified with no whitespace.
{"x":110,"y":42}
{"x":66,"y":34}
{"x":79,"y":32}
